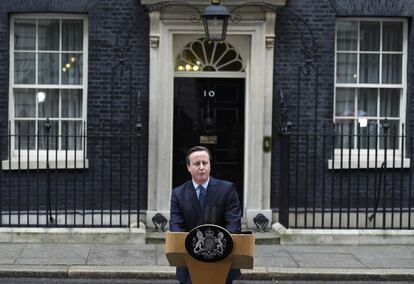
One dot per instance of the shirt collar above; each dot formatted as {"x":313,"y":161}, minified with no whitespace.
{"x":203,"y":185}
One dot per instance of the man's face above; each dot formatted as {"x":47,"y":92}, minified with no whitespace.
{"x":199,"y":166}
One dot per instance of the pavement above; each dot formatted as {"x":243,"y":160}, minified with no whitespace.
{"x":147,"y":261}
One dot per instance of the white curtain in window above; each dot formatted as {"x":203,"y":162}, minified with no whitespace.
{"x":390,"y":103}
{"x":367,"y":102}
{"x":72,"y":35}
{"x":345,"y":102}
{"x":24,"y":103}
{"x":25,"y":34}
{"x":347,"y":36}
{"x":391,"y":69}
{"x":369,"y":68}
{"x":72,"y":135}
{"x":48,"y":141}
{"x":71,"y":103}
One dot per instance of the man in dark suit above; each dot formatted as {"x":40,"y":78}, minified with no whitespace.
{"x":204,"y":200}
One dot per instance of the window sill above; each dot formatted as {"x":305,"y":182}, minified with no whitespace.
{"x":367,"y":164}
{"x":42,"y":165}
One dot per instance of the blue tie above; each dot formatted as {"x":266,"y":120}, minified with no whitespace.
{"x":202,"y":194}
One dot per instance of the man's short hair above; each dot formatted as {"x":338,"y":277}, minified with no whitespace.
{"x":196,"y":149}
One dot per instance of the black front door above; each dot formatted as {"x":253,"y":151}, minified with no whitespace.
{"x":210,"y":112}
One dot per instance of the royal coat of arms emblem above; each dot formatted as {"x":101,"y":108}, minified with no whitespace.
{"x":209,"y":243}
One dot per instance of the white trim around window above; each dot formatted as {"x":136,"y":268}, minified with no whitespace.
{"x":48,"y":84}
{"x":370,"y":90}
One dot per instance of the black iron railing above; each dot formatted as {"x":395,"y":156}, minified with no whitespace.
{"x":347,"y":176}
{"x":92,"y":182}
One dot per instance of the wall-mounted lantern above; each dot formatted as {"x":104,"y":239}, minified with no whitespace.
{"x":215,"y":18}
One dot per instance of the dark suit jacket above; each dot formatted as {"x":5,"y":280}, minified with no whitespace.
{"x":221,"y":207}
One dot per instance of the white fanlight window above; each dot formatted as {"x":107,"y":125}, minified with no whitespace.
{"x":48,"y":84}
{"x":202,"y":55}
{"x":370,"y":83}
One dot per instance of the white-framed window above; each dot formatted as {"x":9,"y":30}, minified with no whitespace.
{"x":48,"y":82}
{"x":370,"y":87}
{"x":202,"y":55}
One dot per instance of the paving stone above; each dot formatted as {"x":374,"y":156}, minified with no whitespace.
{"x":314,"y":249}
{"x":337,"y":260}
{"x":274,"y":261}
{"x":269,"y":250}
{"x":53,"y":251}
{"x":100,"y":256}
{"x":55,"y":254}
{"x":382,"y":251}
{"x":388,"y":262}
{"x":10,"y":252}
{"x":124,"y":246}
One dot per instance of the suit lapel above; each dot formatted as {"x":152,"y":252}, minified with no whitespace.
{"x":192,"y":200}
{"x":191,"y":194}
{"x":194,"y":204}
{"x":211,"y":191}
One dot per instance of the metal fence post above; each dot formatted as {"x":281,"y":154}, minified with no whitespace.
{"x":284,"y":134}
{"x":49,"y":193}
{"x":138,"y":128}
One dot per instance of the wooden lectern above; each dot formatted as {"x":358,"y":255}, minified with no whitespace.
{"x":210,"y":272}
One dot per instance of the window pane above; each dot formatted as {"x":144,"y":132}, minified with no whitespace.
{"x":234,"y":66}
{"x":230,"y":55}
{"x":24,"y":68}
{"x":48,"y":142}
{"x":72,"y":69}
{"x":198,"y":50}
{"x":50,"y":106}
{"x":72,"y":35}
{"x":72,"y":103}
{"x":367,"y":134}
{"x":346,"y":68}
{"x":48,"y":68}
{"x":24,"y":103}
{"x":392,"y":137}
{"x":391,"y":69}
{"x":220,"y":49}
{"x":392,"y":36}
{"x":345,"y":102}
{"x":344,"y":134}
{"x":72,"y":135}
{"x":25,"y":34}
{"x":367,"y":102}
{"x":48,"y":34}
{"x":370,"y":36}
{"x":390,"y":103}
{"x":25,"y":131}
{"x":369,"y":68}
{"x":346,"y":35}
